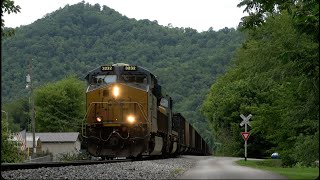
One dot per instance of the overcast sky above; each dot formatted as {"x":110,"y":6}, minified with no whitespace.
{"x":196,"y":14}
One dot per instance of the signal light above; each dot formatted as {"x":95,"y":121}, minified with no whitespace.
{"x":116,"y":91}
{"x":131,"y":119}
{"x":99,"y":119}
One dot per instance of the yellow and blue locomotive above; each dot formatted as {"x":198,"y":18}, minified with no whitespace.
{"x":127,"y":115}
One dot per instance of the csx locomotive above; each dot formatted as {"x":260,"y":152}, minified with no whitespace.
{"x":127,"y":116}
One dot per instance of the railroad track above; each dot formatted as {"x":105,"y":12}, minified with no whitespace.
{"x":35,"y":165}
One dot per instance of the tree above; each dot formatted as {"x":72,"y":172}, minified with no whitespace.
{"x":10,"y":153}
{"x":304,"y":12}
{"x":60,"y":105}
{"x":8,"y":6}
{"x":19,"y":117}
{"x":269,"y":79}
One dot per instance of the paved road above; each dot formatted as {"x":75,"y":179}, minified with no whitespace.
{"x":209,"y":167}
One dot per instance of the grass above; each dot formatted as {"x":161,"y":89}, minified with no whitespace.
{"x":177,"y":171}
{"x":274,"y":165}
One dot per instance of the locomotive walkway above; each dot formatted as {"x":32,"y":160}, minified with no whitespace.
{"x":224,"y":168}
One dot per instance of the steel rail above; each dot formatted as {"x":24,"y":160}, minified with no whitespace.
{"x":35,"y":165}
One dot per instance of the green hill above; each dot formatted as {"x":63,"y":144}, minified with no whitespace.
{"x":78,"y":38}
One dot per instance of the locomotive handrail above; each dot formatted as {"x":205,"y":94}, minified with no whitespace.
{"x":91,"y":104}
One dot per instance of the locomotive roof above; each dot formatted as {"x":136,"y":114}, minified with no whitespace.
{"x":117,"y":65}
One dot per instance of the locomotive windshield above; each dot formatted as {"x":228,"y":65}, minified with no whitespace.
{"x":142,"y":79}
{"x":137,"y":80}
{"x":101,"y":79}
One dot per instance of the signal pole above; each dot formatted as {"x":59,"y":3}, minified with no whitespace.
{"x":29,"y":85}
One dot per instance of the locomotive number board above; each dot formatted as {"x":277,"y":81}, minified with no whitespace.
{"x":106,"y":68}
{"x":130,"y":68}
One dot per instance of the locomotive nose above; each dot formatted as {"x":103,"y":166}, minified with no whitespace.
{"x":114,"y":141}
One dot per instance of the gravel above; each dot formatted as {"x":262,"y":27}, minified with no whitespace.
{"x":154,"y":169}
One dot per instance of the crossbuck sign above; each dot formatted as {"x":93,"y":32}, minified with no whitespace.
{"x":245,"y":134}
{"x":245,"y":120}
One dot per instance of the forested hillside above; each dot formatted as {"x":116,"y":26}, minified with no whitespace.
{"x":78,"y":38}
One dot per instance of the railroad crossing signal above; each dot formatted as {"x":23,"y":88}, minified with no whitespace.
{"x":245,"y":135}
{"x":245,"y":119}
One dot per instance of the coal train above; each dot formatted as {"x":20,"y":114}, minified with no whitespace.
{"x":128,"y":116}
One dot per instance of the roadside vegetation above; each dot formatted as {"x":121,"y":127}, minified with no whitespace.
{"x":10,"y":152}
{"x":274,"y":77}
{"x":73,"y":156}
{"x":276,"y":166}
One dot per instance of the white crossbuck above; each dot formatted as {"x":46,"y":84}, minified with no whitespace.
{"x":245,"y":119}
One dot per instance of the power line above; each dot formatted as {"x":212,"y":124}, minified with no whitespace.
{"x":66,"y":115}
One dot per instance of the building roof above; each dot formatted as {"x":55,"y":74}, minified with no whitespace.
{"x":57,"y":136}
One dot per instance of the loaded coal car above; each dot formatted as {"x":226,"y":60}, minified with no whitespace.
{"x":128,"y":116}
{"x":189,"y":140}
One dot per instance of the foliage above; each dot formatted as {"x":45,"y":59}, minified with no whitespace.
{"x":177,"y":171}
{"x":275,"y":78}
{"x":7,"y":6}
{"x":18,"y":112}
{"x":78,"y":38}
{"x":10,"y":153}
{"x":306,"y":149}
{"x":60,"y":105}
{"x":72,"y":156}
{"x":44,"y":153}
{"x":305,"y":13}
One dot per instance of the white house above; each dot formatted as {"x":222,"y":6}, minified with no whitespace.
{"x":58,"y":142}
{"x":29,"y":143}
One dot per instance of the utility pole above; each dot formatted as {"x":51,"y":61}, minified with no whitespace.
{"x":29,"y":85}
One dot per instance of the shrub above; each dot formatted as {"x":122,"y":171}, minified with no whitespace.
{"x":287,"y":158}
{"x":306,"y":150}
{"x":73,"y":156}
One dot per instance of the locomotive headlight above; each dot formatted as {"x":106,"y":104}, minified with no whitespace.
{"x":99,"y":119}
{"x":115,"y":91}
{"x":131,"y":119}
